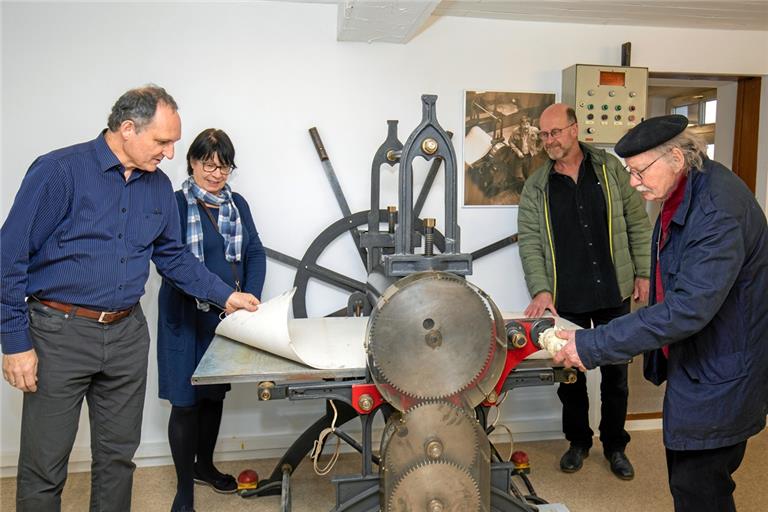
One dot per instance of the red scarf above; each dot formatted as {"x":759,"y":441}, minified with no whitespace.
{"x":668,"y":209}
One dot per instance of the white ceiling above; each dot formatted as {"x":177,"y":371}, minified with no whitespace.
{"x":733,"y":15}
{"x":398,"y":21}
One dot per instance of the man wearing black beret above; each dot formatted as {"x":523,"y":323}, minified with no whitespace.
{"x":705,"y":331}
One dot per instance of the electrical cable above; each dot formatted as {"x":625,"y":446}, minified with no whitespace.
{"x":317,"y":448}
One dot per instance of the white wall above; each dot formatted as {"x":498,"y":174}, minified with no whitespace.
{"x":266,"y":72}
{"x":725,"y":123}
{"x":761,"y":182}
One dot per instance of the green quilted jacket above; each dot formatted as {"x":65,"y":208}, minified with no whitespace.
{"x":629,"y":230}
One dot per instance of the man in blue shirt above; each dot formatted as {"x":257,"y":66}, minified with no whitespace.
{"x":76,"y":245}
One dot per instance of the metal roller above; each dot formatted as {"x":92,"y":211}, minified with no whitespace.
{"x":435,"y":487}
{"x":433,"y":335}
{"x":432,"y":431}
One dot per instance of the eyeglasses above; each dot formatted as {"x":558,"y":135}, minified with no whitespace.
{"x":639,"y":174}
{"x":554,"y":133}
{"x":210,"y":168}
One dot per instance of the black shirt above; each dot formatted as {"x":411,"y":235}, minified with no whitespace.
{"x":586,"y":279}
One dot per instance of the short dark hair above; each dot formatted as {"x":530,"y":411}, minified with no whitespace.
{"x":209,"y":142}
{"x":139,"y":105}
{"x":570,"y":114}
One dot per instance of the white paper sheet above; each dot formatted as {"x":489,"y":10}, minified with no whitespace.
{"x":324,"y":343}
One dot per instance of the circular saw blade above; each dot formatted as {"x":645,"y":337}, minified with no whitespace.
{"x":432,"y":337}
{"x":429,"y":484}
{"x":450,"y":430}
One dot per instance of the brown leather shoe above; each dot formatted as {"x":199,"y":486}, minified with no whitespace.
{"x":620,"y":465}
{"x":573,"y":459}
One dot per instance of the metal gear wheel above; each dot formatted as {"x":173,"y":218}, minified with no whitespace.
{"x":431,"y":431}
{"x":435,"y":486}
{"x":431,"y":336}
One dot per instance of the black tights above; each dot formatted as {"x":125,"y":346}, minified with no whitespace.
{"x":192,"y":434}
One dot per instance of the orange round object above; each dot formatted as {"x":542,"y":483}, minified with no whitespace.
{"x":248,"y":479}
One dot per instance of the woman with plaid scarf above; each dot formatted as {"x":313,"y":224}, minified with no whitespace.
{"x":217,"y":226}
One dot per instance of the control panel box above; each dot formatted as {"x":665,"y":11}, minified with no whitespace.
{"x":608,"y":100}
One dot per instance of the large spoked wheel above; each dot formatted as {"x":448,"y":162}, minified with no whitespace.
{"x":309,"y":269}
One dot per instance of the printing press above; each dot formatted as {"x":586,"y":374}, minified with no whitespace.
{"x":439,"y":354}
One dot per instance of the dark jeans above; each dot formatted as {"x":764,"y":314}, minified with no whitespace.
{"x":105,"y":364}
{"x":613,"y":393}
{"x":700,"y":480}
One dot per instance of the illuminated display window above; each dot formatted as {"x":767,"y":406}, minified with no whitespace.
{"x":612,"y":78}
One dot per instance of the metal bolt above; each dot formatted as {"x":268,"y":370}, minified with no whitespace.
{"x":434,"y":449}
{"x":365,"y":402}
{"x":518,"y":340}
{"x":392,"y":217}
{"x":393,"y":155}
{"x":429,"y":146}
{"x":492,"y":397}
{"x":434,"y":338}
{"x":429,"y":236}
{"x":435,"y":506}
{"x":265,"y":390}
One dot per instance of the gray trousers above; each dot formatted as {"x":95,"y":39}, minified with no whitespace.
{"x":105,"y":364}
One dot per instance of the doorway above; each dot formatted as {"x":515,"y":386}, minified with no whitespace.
{"x":724,"y":110}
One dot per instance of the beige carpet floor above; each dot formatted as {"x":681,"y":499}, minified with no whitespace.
{"x":593,"y":489}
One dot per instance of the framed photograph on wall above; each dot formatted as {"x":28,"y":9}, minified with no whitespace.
{"x":501,"y":144}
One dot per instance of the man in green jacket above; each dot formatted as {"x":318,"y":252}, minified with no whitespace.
{"x":584,"y":239}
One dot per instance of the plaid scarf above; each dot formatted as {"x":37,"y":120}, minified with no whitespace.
{"x":230,"y":227}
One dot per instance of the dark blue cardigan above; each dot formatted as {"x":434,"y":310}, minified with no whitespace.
{"x":183,"y":331}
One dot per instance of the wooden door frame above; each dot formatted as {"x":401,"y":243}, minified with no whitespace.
{"x":747,"y":125}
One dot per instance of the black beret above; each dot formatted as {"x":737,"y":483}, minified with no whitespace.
{"x":650,"y":134}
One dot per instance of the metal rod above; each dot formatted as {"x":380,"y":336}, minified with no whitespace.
{"x":334,"y":278}
{"x":336,"y":187}
{"x":351,"y":441}
{"x":322,"y":273}
{"x":626,"y":54}
{"x":285,"y":497}
{"x":282,"y":258}
{"x":495,"y":246}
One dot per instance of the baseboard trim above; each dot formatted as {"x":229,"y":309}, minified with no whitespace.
{"x":644,"y":416}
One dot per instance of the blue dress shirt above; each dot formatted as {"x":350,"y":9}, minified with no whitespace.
{"x":79,"y":233}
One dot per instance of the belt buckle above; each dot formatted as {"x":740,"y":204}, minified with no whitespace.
{"x":102,"y":317}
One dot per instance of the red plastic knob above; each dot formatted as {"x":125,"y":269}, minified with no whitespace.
{"x":248,"y":478}
{"x":519,"y":458}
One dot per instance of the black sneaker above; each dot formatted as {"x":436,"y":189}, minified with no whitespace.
{"x":573,"y":459}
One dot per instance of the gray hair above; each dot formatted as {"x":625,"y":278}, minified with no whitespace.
{"x":693,"y":147}
{"x":139,"y":105}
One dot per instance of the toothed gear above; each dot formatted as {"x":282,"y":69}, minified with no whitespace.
{"x":443,"y":483}
{"x":431,"y":336}
{"x":456,"y":434}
